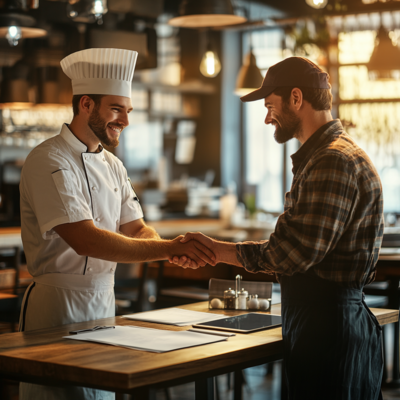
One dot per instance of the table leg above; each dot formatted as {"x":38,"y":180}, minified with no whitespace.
{"x":204,"y":389}
{"x":238,"y":385}
{"x":144,"y":394}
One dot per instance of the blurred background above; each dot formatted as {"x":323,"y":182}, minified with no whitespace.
{"x":199,"y":159}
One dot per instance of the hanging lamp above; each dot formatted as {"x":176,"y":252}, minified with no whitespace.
{"x":384,"y":63}
{"x":206,"y":13}
{"x":249,"y":77}
{"x":317,"y":3}
{"x":16,"y":24}
{"x":210,"y":65}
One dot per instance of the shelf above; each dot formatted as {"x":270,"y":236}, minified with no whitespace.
{"x":196,"y":87}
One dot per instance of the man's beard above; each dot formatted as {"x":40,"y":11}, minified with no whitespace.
{"x":99,"y":128}
{"x":288,"y":128}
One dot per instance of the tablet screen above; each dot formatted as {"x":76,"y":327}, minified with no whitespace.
{"x":244,"y":323}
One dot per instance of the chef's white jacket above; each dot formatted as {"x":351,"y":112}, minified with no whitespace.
{"x":62,"y":183}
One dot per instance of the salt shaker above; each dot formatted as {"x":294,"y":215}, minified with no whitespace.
{"x":253,"y":303}
{"x":242,"y":301}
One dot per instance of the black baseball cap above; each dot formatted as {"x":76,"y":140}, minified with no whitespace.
{"x":291,"y":72}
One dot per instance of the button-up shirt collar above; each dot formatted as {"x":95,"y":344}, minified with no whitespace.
{"x":307,"y":149}
{"x":74,"y":142}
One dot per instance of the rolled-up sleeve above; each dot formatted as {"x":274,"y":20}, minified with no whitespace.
{"x":312,"y":223}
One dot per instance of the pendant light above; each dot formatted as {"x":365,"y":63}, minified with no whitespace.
{"x":384,"y":63}
{"x":87,"y":11}
{"x":317,"y":3}
{"x":206,"y":13}
{"x":210,"y":66}
{"x":15,"y":24}
{"x":249,"y":77}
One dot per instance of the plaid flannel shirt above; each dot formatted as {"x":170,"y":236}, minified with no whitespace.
{"x":332,"y":224}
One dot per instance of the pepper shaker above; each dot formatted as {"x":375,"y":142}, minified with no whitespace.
{"x":229,"y":299}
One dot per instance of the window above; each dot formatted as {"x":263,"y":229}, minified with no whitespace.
{"x":266,"y":160}
{"x":371,"y":110}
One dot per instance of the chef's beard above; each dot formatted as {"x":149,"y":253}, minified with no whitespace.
{"x":289,"y":127}
{"x":99,"y":128}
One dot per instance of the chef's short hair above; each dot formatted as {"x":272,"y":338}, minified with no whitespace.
{"x":77,"y":98}
{"x":320,"y":99}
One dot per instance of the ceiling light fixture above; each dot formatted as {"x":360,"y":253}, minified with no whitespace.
{"x":206,"y":13}
{"x":87,"y":11}
{"x":249,"y":77}
{"x":384,"y":63}
{"x":210,"y":65}
{"x":317,"y":3}
{"x":15,"y":24}
{"x":13,"y":35}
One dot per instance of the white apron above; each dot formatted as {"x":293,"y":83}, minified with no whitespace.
{"x":58,"y":299}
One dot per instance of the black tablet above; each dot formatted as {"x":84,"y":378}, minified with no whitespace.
{"x":244,"y":323}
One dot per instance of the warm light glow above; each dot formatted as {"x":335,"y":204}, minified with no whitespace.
{"x":13,"y":35}
{"x":210,"y":64}
{"x":243,"y":91}
{"x":98,"y":7}
{"x":356,"y":48}
{"x":317,"y":3}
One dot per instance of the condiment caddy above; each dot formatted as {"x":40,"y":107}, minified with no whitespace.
{"x":254,"y":296}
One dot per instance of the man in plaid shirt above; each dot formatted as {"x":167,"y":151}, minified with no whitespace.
{"x":325,"y":245}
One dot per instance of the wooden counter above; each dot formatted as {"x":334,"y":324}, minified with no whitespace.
{"x":43,"y":356}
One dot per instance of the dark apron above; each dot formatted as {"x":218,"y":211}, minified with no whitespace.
{"x":332,"y":341}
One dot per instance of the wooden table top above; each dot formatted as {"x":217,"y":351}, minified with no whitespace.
{"x":43,"y":356}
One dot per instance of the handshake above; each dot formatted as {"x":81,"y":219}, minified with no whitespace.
{"x":195,"y":250}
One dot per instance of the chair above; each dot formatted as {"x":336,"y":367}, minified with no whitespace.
{"x":14,"y":278}
{"x":174,"y":286}
{"x":130,"y":288}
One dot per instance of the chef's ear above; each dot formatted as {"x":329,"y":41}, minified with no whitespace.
{"x":86,"y":104}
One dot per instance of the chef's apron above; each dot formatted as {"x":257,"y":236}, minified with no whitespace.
{"x":332,"y":341}
{"x":58,"y":299}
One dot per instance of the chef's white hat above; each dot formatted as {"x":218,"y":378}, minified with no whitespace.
{"x":101,"y":71}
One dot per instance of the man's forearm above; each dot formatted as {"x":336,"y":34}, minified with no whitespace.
{"x":227,"y":253}
{"x":88,"y":240}
{"x":115,"y":247}
{"x":146,"y":232}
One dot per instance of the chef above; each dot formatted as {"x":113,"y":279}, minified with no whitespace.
{"x":79,"y":212}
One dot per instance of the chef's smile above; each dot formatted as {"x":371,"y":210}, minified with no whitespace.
{"x":116,"y":129}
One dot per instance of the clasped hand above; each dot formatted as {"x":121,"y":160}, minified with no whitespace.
{"x":193,"y":250}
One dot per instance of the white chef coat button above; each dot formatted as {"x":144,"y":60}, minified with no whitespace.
{"x":89,"y":269}
{"x":116,"y":190}
{"x":104,"y":159}
{"x":112,"y":269}
{"x":94,"y":187}
{"x":98,"y":219}
{"x":117,"y":221}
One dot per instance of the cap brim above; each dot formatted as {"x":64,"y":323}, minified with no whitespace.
{"x":258,"y":94}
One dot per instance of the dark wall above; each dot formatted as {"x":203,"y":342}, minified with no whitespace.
{"x":208,"y":133}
